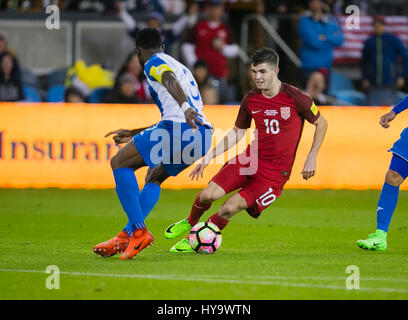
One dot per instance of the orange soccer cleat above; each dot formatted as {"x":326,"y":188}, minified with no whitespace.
{"x":113,"y":246}
{"x":141,"y":239}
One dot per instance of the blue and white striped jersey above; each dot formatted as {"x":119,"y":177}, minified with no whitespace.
{"x":169,"y":107}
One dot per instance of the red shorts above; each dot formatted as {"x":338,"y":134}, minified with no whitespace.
{"x":258,"y":192}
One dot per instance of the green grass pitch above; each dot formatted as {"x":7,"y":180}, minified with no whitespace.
{"x":299,"y":248}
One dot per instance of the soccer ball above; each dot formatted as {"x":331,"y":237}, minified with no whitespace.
{"x":205,"y":237}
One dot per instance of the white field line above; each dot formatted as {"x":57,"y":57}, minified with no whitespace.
{"x":219,"y":279}
{"x":328,"y":278}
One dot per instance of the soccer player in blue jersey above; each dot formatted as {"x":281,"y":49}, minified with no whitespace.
{"x":395,"y":175}
{"x":182,"y":136}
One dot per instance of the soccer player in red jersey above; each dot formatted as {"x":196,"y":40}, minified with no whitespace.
{"x":260,"y":172}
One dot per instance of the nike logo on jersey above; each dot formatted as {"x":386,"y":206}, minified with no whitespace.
{"x":253,"y":111}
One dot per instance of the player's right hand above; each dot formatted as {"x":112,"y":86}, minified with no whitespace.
{"x":198,"y":171}
{"x":191,"y":116}
{"x":386,"y":118}
{"x":120,"y":135}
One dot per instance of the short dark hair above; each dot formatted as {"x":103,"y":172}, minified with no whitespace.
{"x":148,"y":38}
{"x":263,"y":55}
{"x":200,"y":63}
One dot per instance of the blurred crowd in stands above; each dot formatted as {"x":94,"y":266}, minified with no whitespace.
{"x":205,"y":32}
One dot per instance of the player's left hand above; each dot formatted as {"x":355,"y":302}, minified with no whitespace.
{"x":199,"y":169}
{"x":120,"y":135}
{"x":310,"y":167}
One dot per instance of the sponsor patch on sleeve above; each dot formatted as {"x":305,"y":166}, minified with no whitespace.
{"x":314,"y":109}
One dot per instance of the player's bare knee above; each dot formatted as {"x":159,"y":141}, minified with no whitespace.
{"x":207,"y":196}
{"x":227,"y":210}
{"x":211,"y":193}
{"x":393,"y":178}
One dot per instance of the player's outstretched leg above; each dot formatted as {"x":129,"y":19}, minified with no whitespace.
{"x":232,"y":206}
{"x":201,"y":204}
{"x":123,"y":165}
{"x":142,"y":238}
{"x":377,"y":241}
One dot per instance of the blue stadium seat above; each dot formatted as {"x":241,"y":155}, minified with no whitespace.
{"x":56,"y":94}
{"x":98,"y":95}
{"x":57,"y":77}
{"x":31,"y":94}
{"x":28,"y":78}
{"x":352,"y":97}
{"x":338,"y":82}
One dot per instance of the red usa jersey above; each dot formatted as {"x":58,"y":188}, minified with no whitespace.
{"x":279,"y":123}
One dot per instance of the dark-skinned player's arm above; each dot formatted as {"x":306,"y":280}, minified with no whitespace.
{"x":389,"y":116}
{"x":230,"y":139}
{"x":309,"y":168}
{"x":170,"y":82}
{"x":124,"y":135}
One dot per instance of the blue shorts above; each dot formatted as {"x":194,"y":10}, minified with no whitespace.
{"x":399,"y":165}
{"x":399,"y":161}
{"x":400,"y":147}
{"x":173,"y":145}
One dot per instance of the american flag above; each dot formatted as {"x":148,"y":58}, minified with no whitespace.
{"x":352,"y":48}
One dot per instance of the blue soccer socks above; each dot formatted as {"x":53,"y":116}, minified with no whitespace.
{"x":148,"y":198}
{"x":127,"y":190}
{"x":386,"y":206}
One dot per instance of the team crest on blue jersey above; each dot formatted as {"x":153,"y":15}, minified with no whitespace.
{"x":285,"y":112}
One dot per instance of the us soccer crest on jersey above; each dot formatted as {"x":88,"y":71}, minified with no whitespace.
{"x":285,"y":112}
